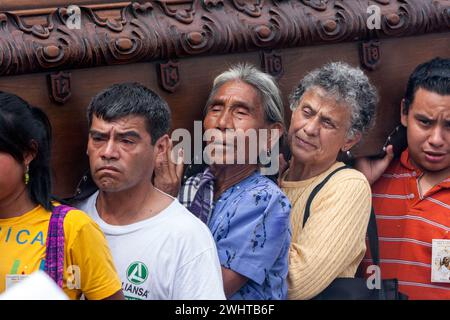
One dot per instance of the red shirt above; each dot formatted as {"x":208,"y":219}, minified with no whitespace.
{"x":407,"y":223}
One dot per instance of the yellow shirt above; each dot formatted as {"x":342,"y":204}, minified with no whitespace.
{"x":88,"y":265}
{"x":332,"y":244}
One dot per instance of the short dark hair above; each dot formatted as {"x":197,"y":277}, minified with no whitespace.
{"x":24,"y":128}
{"x":132,"y":99}
{"x":433,"y":75}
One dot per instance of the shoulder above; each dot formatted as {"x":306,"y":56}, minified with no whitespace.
{"x":87,"y":204}
{"x":257,"y":199}
{"x":184,"y":225}
{"x":347,"y":194}
{"x":77,"y":221}
{"x":262,"y":190}
{"x":393,"y":177}
{"x":346,"y":186}
{"x":348,"y":174}
{"x":258,"y":181}
{"x":395,"y":167}
{"x":348,"y":177}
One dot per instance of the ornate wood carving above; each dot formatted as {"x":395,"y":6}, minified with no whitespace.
{"x":60,"y":86}
{"x":272,"y":63}
{"x":161,"y":30}
{"x":370,"y":54}
{"x":169,"y":75}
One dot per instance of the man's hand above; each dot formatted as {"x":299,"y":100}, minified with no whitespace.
{"x":168,"y":173}
{"x":373,"y":169}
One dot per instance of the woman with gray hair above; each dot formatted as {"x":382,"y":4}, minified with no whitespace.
{"x":331,"y":109}
{"x":247,"y":213}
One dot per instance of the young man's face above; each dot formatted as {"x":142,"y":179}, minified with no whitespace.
{"x":121,"y":155}
{"x":428,"y":130}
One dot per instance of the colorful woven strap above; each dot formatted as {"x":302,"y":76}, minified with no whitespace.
{"x":54,"y":260}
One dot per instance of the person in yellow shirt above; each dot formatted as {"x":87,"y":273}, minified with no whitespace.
{"x":331,"y":109}
{"x":76,"y":255}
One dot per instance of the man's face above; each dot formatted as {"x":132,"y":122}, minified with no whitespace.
{"x":236,"y":107}
{"x":319,"y":128}
{"x":428,"y":130}
{"x":120,"y":153}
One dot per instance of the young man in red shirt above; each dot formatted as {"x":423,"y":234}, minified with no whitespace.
{"x":411,"y":195}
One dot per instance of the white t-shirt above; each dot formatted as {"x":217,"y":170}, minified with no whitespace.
{"x":170,"y":256}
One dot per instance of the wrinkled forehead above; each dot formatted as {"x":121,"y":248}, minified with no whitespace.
{"x":121,"y":124}
{"x":238,"y":92}
{"x":431,"y":103}
{"x":327,"y":101}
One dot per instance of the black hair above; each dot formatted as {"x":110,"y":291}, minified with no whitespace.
{"x":24,"y":129}
{"x":433,"y":75}
{"x":127,"y":99}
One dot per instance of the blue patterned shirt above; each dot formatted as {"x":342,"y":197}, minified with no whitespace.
{"x":251,"y":226}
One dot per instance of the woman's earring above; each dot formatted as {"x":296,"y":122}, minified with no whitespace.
{"x":26,"y":176}
{"x":349,"y":154}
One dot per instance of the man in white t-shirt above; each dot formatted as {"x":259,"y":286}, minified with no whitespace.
{"x":161,"y":251}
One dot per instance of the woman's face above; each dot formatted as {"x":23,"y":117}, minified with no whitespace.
{"x":318,"y":129}
{"x":11,"y":176}
{"x":233,"y":124}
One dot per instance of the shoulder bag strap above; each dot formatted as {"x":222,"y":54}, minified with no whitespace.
{"x":372,"y":231}
{"x":54,"y":257}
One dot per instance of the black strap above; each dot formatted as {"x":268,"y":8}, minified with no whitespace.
{"x":372,"y":231}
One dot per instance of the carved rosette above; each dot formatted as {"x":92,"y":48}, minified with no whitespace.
{"x":160,"y":30}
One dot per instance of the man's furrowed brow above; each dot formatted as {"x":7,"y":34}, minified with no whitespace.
{"x":129,"y":134}
{"x":422,"y":116}
{"x":93,"y":132}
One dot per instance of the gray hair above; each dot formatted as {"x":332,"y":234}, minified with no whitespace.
{"x":262,"y":82}
{"x":347,"y":84}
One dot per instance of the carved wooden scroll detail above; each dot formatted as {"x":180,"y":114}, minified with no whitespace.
{"x":169,"y":75}
{"x":161,"y":30}
{"x":60,"y":86}
{"x":370,"y":54}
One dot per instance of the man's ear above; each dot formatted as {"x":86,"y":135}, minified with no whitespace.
{"x":403,"y":114}
{"x":350,"y":142}
{"x":161,"y":145}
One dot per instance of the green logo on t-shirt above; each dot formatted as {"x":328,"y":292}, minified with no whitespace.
{"x":137,"y":273}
